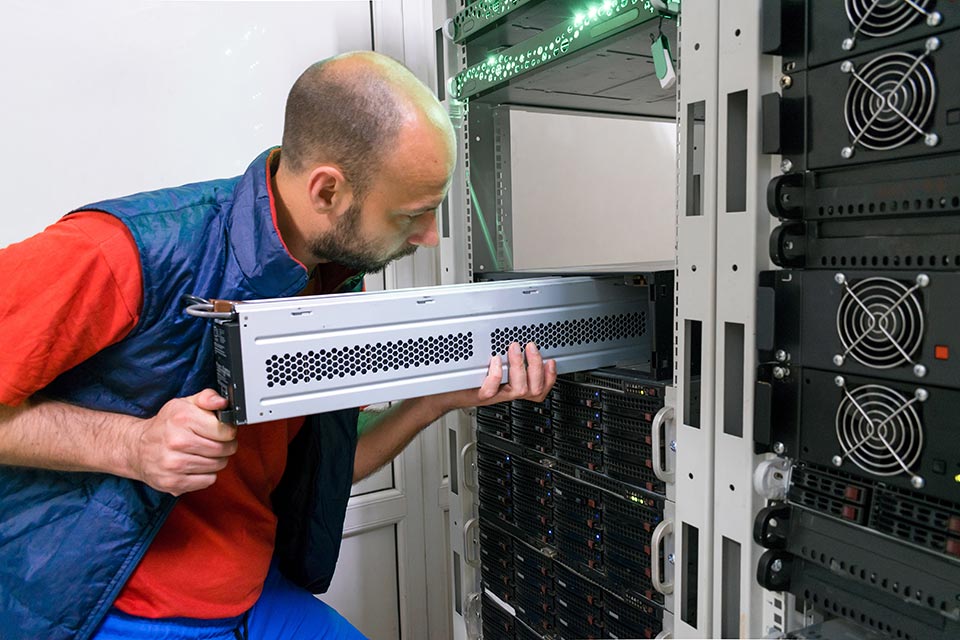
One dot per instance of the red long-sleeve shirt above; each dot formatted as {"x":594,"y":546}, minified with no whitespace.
{"x":75,"y":289}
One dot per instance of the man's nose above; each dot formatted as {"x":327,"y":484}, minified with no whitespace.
{"x":427,"y":235}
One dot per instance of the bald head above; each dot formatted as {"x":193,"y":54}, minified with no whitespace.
{"x":350,"y":110}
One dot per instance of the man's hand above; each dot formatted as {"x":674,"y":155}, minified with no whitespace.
{"x":183,"y":447}
{"x":530,"y":380}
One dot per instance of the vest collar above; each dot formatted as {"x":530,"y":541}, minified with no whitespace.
{"x":262,"y":256}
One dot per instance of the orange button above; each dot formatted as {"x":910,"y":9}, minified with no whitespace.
{"x":941,"y":352}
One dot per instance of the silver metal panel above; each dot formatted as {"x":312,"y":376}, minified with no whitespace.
{"x":309,"y":355}
{"x":741,"y":253}
{"x":696,"y":303}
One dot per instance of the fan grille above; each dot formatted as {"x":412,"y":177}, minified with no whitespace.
{"x":880,"y":322}
{"x":883,"y":18}
{"x":890,"y":100}
{"x":879,"y":430}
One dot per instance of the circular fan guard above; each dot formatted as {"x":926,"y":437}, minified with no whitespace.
{"x":890,"y":102}
{"x":883,"y":18}
{"x":880,"y":322}
{"x":875,"y":426}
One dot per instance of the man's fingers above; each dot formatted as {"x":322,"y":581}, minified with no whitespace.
{"x":491,"y":384}
{"x":209,"y":448}
{"x":199,"y":465}
{"x":517,"y":377}
{"x":550,"y":378}
{"x":535,"y":372}
{"x":209,"y":400}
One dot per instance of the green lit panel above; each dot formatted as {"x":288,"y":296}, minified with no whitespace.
{"x":594,"y":24}
{"x":481,"y":14}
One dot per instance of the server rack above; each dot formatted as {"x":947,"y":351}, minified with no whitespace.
{"x":854,"y":387}
{"x":571,"y":461}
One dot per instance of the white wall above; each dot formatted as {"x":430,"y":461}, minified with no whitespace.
{"x":102,"y":98}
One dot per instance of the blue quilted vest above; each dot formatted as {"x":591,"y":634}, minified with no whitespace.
{"x":69,"y":541}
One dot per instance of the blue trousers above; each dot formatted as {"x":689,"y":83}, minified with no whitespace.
{"x":283,"y":612}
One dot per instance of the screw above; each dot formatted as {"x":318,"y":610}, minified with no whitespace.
{"x":673,"y":446}
{"x":934,"y":19}
{"x":919,"y":370}
{"x":931,"y":139}
{"x":838,"y":360}
{"x":917,"y":482}
{"x":786,"y":166}
{"x":671,"y":558}
{"x":847,"y":152}
{"x":848,"y":44}
{"x":923,"y":279}
{"x":790,"y":66}
{"x":780,"y":372}
{"x":837,"y":461}
{"x":788,"y":245}
{"x":786,"y":82}
{"x":846,"y":66}
{"x":840,"y":278}
{"x":921,"y":395}
{"x":839,"y":381}
{"x":779,"y":448}
{"x":780,"y":355}
{"x":932,"y":44}
{"x":776,"y":566}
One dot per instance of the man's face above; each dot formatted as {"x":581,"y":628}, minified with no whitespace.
{"x":398,"y":213}
{"x":346,"y":245}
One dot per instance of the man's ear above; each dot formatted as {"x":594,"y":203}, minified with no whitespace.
{"x":329,"y":193}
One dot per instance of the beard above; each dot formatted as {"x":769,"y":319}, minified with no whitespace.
{"x":345,"y":246}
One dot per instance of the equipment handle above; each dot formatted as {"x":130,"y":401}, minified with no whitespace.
{"x":663,"y":416}
{"x":471,"y":543}
{"x":656,"y":541}
{"x":468,"y":479}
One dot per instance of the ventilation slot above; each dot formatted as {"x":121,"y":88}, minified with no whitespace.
{"x":359,"y":360}
{"x":889,"y":206}
{"x":568,"y":333}
{"x":895,"y":261}
{"x":852,"y":613}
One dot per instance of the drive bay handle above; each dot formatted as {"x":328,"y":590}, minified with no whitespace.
{"x":656,"y":542}
{"x":663,"y":416}
{"x":471,"y":543}
{"x":467,"y":475}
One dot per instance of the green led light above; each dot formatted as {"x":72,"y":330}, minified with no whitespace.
{"x":635,"y":498}
{"x":599,"y":19}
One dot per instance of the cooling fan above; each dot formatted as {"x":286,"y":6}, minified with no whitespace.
{"x":884,"y":18}
{"x":880,"y":430}
{"x":890,"y":100}
{"x":880,"y":322}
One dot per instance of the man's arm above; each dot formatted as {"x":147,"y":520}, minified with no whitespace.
{"x":392,"y":430}
{"x":180,"y":449}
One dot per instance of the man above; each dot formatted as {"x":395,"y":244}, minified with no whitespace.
{"x":105,"y":383}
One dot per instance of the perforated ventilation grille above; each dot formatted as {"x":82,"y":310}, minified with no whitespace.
{"x":882,"y":18}
{"x":889,"y":102}
{"x":284,"y":369}
{"x":880,"y":430}
{"x":568,"y":333}
{"x":880,"y":322}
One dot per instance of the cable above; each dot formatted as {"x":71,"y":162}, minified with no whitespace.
{"x":202,"y":308}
